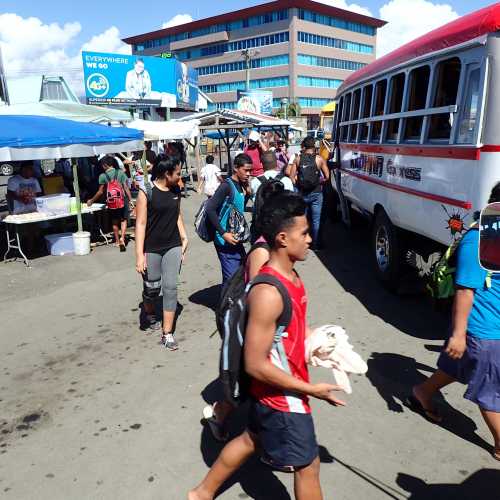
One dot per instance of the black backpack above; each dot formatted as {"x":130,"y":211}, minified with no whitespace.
{"x":259,"y":202}
{"x":231,"y":317}
{"x":308,"y":173}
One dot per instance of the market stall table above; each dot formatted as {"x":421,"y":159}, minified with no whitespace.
{"x":14,"y":243}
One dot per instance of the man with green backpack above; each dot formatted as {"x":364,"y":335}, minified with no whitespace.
{"x":472,"y":352}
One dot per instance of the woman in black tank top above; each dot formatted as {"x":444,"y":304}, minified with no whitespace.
{"x":161,"y":243}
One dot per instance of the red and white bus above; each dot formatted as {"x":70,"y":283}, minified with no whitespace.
{"x":418,"y":132}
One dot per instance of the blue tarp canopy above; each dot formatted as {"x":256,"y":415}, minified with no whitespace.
{"x":39,"y":138}
{"x":215,"y":134}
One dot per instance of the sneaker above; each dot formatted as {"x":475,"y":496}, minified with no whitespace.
{"x":168,"y":340}
{"x":151,"y":324}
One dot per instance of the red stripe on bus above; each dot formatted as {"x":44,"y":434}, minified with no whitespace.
{"x":490,"y":148}
{"x":460,"y":153}
{"x":415,"y":192}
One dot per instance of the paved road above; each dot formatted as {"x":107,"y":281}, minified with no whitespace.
{"x":91,"y":408}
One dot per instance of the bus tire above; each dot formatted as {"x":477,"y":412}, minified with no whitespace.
{"x":386,"y":250}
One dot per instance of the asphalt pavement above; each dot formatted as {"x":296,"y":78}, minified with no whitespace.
{"x":92,"y":408}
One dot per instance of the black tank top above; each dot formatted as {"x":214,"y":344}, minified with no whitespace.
{"x":162,"y":232}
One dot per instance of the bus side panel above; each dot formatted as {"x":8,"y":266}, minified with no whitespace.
{"x":403,"y":186}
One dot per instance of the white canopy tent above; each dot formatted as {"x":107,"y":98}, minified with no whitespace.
{"x":171,"y":130}
{"x":69,"y":111}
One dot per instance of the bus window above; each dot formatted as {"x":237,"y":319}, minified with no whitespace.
{"x":365,"y":112}
{"x":417,"y":98}
{"x":447,"y":80}
{"x":338,"y":117}
{"x":346,"y":118}
{"x":470,"y":110}
{"x":380,"y":91}
{"x":356,"y":98}
{"x":395,"y":105}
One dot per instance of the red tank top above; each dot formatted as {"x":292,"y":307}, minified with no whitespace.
{"x":257,"y":167}
{"x":294,"y":344}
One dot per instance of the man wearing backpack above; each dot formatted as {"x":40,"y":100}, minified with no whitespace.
{"x":471,"y":355}
{"x":310,"y":171}
{"x":271,"y":174}
{"x":280,"y":423}
{"x":115,"y":182}
{"x":230,"y":194}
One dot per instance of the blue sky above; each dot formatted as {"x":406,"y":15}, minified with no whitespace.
{"x":47,"y":37}
{"x":96,"y":16}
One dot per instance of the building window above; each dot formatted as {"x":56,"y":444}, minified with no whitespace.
{"x":418,"y":85}
{"x":221,"y":48}
{"x":326,"y":62}
{"x":470,"y":111}
{"x":264,"y":62}
{"x":336,"y":43}
{"x":365,"y":111}
{"x":397,"y":87}
{"x":313,"y":102}
{"x":308,"y":15}
{"x":378,"y":109}
{"x":309,"y":81}
{"x":281,"y":81}
{"x":447,"y":78}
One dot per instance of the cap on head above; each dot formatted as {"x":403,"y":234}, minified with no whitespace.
{"x":254,"y":136}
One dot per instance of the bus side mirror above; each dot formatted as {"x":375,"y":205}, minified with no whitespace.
{"x":489,"y":238}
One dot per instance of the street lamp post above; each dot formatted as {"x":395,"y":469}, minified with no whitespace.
{"x":247,"y":55}
{"x":284,"y":103}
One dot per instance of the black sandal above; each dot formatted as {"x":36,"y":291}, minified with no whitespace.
{"x":415,"y":405}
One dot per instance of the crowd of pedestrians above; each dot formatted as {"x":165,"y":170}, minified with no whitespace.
{"x":286,"y":194}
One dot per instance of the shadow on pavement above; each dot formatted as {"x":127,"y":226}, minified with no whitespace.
{"x":347,"y":257}
{"x":484,"y":484}
{"x":390,"y":492}
{"x":393,"y":375}
{"x":207,"y":297}
{"x":256,"y":479}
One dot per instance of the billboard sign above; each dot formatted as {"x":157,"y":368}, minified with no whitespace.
{"x":139,"y":81}
{"x":255,"y":101}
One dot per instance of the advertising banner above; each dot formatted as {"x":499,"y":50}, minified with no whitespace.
{"x":256,"y":101}
{"x":139,"y":81}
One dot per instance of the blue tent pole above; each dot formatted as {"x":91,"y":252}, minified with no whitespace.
{"x":76,"y":187}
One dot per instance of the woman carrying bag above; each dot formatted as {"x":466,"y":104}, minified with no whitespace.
{"x":161,"y":244}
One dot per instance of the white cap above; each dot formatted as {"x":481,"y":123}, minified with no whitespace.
{"x":254,"y":136}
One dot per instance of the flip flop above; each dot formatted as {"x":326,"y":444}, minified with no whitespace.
{"x":415,"y":405}
{"x":217,"y":429}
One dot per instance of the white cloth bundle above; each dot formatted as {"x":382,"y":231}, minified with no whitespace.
{"x":328,"y":346}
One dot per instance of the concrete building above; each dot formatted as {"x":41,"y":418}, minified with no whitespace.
{"x":301,"y":50}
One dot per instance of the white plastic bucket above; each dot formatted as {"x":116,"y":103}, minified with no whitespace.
{"x":81,"y":242}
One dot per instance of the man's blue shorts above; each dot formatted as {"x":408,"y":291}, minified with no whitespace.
{"x":288,"y":440}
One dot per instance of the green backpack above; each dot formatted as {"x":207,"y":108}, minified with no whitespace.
{"x":441,"y":284}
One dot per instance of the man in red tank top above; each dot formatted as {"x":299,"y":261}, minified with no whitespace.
{"x":280,"y":422}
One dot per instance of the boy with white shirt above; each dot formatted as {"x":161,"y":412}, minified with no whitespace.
{"x":211,"y":177}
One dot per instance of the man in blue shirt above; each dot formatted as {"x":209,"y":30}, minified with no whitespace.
{"x":472,"y":353}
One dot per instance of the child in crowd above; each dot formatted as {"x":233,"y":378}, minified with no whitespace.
{"x":210,"y":178}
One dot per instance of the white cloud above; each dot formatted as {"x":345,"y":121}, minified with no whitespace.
{"x":176,"y":20}
{"x":409,"y":19}
{"x":30,"y":47}
{"x":353,"y":7}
